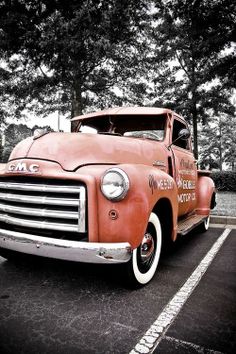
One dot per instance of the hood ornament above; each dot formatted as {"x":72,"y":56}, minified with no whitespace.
{"x":40,"y":132}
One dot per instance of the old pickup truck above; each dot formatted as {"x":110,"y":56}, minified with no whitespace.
{"x":115,"y":190}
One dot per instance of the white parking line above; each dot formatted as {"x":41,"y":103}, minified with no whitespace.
{"x":155,"y":333}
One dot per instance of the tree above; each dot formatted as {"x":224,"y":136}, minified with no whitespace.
{"x":13,"y":135}
{"x":218,"y":143}
{"x":63,"y":54}
{"x":192,"y":46}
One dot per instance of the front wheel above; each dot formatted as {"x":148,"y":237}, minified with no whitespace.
{"x":143,"y":264}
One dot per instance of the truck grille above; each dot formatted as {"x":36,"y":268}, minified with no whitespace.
{"x":51,"y":206}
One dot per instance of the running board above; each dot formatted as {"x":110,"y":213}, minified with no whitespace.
{"x":189,"y":223}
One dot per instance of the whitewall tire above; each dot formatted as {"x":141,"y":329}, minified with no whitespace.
{"x":205,"y":224}
{"x":145,"y":258}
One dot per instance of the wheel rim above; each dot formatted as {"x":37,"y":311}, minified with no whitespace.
{"x":147,"y":249}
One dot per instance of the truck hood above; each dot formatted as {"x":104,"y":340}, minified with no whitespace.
{"x":72,"y":150}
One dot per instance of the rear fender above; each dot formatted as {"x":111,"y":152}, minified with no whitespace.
{"x":205,"y":195}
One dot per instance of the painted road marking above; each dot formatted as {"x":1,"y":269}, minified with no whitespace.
{"x":156,"y":332}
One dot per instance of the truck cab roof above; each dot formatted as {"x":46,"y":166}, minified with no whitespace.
{"x":124,"y":111}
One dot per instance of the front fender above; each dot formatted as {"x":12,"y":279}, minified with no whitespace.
{"x":126,"y":220}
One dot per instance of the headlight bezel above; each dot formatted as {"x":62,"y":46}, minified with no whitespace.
{"x":125,"y":184}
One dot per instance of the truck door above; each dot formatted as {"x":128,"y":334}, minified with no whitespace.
{"x":185,"y":171}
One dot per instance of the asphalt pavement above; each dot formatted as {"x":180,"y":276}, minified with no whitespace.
{"x":58,"y":307}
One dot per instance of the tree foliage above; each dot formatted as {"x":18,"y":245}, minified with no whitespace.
{"x":74,"y":55}
{"x":65,"y":54}
{"x":218,"y":143}
{"x":193,"y":41}
{"x":14,"y":133}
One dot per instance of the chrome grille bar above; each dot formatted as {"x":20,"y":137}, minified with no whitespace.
{"x":39,"y":187}
{"x":38,"y":200}
{"x":45,"y":225}
{"x":82,"y":210}
{"x":38,"y":212}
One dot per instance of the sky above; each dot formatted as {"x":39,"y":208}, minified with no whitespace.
{"x":51,"y":120}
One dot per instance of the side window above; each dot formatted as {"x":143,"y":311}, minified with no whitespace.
{"x":184,"y":144}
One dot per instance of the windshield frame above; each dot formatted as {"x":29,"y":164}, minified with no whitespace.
{"x":113,"y":125}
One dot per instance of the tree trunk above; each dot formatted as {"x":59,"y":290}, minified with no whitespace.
{"x":194,"y":106}
{"x":195,"y":133}
{"x":220,"y":162}
{"x":220,"y":146}
{"x":195,"y":123}
{"x":77,"y":105}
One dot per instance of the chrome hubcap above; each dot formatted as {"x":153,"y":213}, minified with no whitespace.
{"x":147,"y":247}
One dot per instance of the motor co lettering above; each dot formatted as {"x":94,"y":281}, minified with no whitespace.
{"x":186,"y":197}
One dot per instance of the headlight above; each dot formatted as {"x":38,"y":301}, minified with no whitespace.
{"x":115,"y":184}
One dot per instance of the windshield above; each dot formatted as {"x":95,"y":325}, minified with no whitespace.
{"x":140,"y":126}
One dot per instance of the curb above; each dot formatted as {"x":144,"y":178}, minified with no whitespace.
{"x":223,"y":220}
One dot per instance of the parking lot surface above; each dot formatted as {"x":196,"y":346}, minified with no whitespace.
{"x":57,"y":307}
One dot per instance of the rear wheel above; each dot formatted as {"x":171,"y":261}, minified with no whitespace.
{"x":205,"y":224}
{"x":145,"y":258}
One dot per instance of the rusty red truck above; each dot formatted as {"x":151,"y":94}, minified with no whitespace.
{"x":117,"y":188}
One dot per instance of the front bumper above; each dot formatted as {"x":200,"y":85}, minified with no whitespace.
{"x":87,"y":252}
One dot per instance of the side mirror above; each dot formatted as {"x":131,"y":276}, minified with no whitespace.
{"x":184,"y":134}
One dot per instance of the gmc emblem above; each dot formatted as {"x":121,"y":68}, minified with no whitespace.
{"x":23,"y":167}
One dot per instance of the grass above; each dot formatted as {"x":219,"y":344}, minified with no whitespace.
{"x":226,"y":204}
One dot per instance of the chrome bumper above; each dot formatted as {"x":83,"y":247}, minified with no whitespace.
{"x":88,"y":252}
